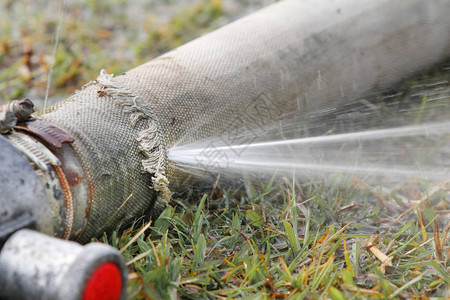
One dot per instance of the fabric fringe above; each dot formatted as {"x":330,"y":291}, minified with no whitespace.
{"x":151,"y":142}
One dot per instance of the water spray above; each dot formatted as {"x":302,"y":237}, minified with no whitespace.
{"x":101,"y":158}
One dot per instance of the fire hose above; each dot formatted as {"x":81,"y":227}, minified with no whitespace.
{"x":99,"y":158}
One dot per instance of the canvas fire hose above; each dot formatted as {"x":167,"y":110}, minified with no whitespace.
{"x":99,"y":158}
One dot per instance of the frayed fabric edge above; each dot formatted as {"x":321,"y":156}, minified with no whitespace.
{"x":151,"y":141}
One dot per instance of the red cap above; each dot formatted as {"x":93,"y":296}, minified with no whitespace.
{"x":105,"y":283}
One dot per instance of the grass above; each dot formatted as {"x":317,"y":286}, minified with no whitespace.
{"x":290,"y":241}
{"x":282,"y":239}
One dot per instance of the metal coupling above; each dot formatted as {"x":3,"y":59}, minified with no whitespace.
{"x":36,"y":266}
{"x":13,"y":112}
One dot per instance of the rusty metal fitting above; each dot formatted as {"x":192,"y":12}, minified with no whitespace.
{"x":23,"y":201}
{"x":70,"y":176}
{"x":57,"y":166}
{"x":14,"y":112}
{"x":44,"y":163}
{"x":22,"y":109}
